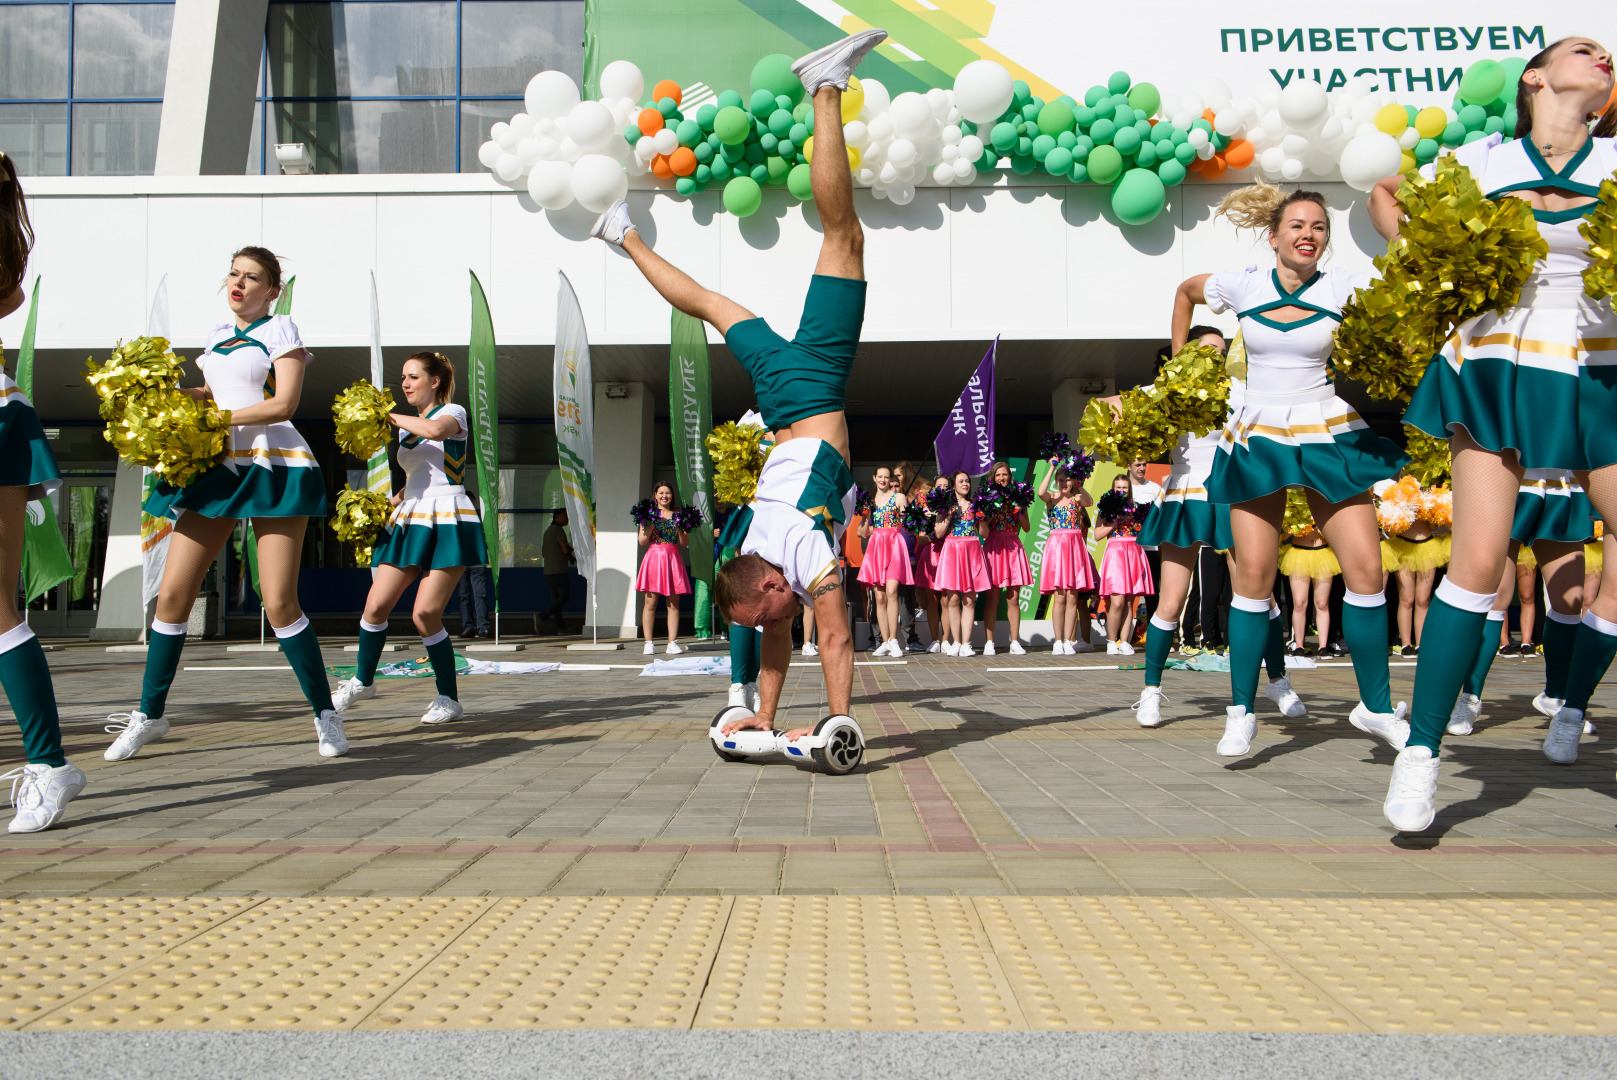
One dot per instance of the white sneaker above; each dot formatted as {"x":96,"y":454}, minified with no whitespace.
{"x":809,"y":649}
{"x":1111,"y":647}
{"x":1148,"y":710}
{"x":328,"y":726}
{"x":134,"y":730}
{"x":673,"y":649}
{"x":755,"y":700}
{"x":738,"y":696}
{"x":966,"y":650}
{"x":1547,"y":705}
{"x":1074,"y":647}
{"x":1125,"y":649}
{"x":1281,"y":693}
{"x":1016,"y":648}
{"x":935,"y":647}
{"x":834,"y":63}
{"x":988,"y":647}
{"x":613,"y":225}
{"x":1561,"y":744}
{"x":1462,"y":721}
{"x":40,"y":793}
{"x":349,"y":691}
{"x":650,"y":649}
{"x":1239,"y":727}
{"x":443,"y":710}
{"x":1412,"y":794}
{"x":1392,"y":728}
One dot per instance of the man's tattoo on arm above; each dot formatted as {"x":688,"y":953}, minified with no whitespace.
{"x":828,"y":586}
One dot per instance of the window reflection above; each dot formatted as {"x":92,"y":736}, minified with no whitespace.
{"x":362,"y":49}
{"x":33,"y":51}
{"x":503,"y":45}
{"x":115,"y":139}
{"x":371,"y":136}
{"x":120,"y":50}
{"x":35,"y":138}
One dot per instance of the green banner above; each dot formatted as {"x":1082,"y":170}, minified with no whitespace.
{"x":690,"y":414}
{"x":482,"y":387}
{"x":1033,"y":542}
{"x":45,"y":561}
{"x":283,"y":304}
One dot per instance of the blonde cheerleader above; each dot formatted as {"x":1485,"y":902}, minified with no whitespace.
{"x":1310,"y":566}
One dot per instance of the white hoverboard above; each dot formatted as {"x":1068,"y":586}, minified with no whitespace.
{"x":836,"y":746}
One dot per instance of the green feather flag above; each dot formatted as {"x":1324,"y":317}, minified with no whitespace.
{"x":482,"y":387}
{"x":45,"y":561}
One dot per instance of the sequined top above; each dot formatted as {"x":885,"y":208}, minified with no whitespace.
{"x":1003,"y":520}
{"x":888,"y":517}
{"x":665,"y":531}
{"x":1127,"y":526}
{"x":1064,"y":517}
{"x":964,"y":526}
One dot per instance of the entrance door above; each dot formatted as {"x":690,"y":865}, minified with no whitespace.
{"x":83,"y":506}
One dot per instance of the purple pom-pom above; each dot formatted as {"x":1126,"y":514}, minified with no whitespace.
{"x":645,"y":513}
{"x":1054,"y":444}
{"x":1077,"y":464}
{"x":863,"y":501}
{"x":940,"y":500}
{"x":687,"y":518}
{"x":1113,"y":507}
{"x":917,"y":519}
{"x":1020,"y":494}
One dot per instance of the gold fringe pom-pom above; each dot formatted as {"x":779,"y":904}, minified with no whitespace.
{"x":361,"y":518}
{"x":138,"y":367}
{"x":361,"y":413}
{"x":151,"y":422}
{"x":1459,"y":255}
{"x":1430,"y":461}
{"x":1190,"y":394}
{"x":1600,"y":229}
{"x":738,"y":452}
{"x":1298,"y":519}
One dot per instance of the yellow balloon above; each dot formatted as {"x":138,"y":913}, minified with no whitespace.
{"x":1392,"y":119}
{"x":853,"y":100}
{"x":808,"y":149}
{"x":854,"y":156}
{"x":1431,"y":121}
{"x":1407,"y":163}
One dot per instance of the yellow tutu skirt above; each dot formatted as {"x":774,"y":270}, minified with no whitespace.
{"x":1311,"y":562}
{"x":1525,"y":556}
{"x":1416,"y":557}
{"x":1389,"y":558}
{"x":1594,"y":559}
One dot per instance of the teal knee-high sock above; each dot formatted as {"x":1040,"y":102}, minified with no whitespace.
{"x":1591,"y":656}
{"x":1459,"y":619}
{"x":1487,"y":649}
{"x":746,"y":653}
{"x":442,"y":654}
{"x":371,"y":639}
{"x":1560,"y":638}
{"x":163,"y":646}
{"x":302,"y":651}
{"x":1249,"y":634}
{"x":1364,"y":628}
{"x":1274,"y":655}
{"x":26,"y":678}
{"x":1158,"y":640}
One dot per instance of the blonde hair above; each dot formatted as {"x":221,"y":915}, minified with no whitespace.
{"x":437,"y":366}
{"x":1261,"y":205}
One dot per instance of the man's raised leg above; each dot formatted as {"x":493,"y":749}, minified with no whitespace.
{"x":672,"y":283}
{"x":825,"y":74}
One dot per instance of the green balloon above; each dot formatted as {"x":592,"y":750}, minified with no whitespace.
{"x":743,"y":196}
{"x":1139,"y":197}
{"x":1473,"y":117}
{"x":1426,"y":150}
{"x":1066,"y":140}
{"x":799,"y":133}
{"x":1002,"y":137}
{"x":1102,"y":130}
{"x":702,"y":174}
{"x":797,"y":182}
{"x":732,"y":125}
{"x":1170,"y":172}
{"x":1127,"y":140}
{"x":1454,"y":133}
{"x":705,"y":115}
{"x":1146,"y":155}
{"x":685,"y":186}
{"x":1021,"y":93}
{"x":787,"y":149}
{"x":1117,"y":84}
{"x":1055,"y":118}
{"x":720,"y":169}
{"x":734,"y":152}
{"x":1083,"y":116}
{"x":1079,"y":174}
{"x":1514,"y":66}
{"x":729,"y":98}
{"x":1494,"y":126}
{"x":689,"y":132}
{"x":1482,"y":82}
{"x":1058,"y":162}
{"x":762,"y":103}
{"x":755,"y":154}
{"x":1094,"y":95}
{"x":1023,"y":166}
{"x":778,"y":168}
{"x":1184,"y":153}
{"x":1146,"y":98}
{"x":769,"y":143}
{"x":703,"y":152}
{"x":1042,"y":147}
{"x":760,"y":174}
{"x":774,"y":74}
{"x":780,"y":122}
{"x":1105,"y":164}
{"x":632,"y":133}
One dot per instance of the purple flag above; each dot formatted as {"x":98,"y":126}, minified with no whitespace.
{"x":966,"y":441}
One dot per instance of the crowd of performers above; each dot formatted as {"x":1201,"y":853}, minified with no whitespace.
{"x":1520,"y":395}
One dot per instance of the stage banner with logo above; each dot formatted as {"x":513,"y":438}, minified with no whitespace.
{"x":690,"y":413}
{"x":966,"y":440}
{"x":377,"y":475}
{"x":482,"y":390}
{"x":575,"y":427}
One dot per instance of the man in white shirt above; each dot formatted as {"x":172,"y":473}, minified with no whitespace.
{"x":1145,"y":492}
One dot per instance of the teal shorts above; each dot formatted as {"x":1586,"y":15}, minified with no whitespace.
{"x":809,"y":374}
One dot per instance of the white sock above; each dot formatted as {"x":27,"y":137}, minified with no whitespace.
{"x":1463,"y":599}
{"x":434,"y":639}
{"x":294,"y":630}
{"x":375,"y":628}
{"x":1370,"y":600}
{"x":17,"y":635}
{"x":172,"y":629}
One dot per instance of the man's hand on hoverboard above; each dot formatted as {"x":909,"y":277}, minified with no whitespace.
{"x":761,"y":723}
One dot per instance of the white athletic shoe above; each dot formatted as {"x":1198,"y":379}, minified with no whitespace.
{"x":738,"y":696}
{"x":1148,"y":710}
{"x":1392,"y":728}
{"x":40,"y":793}
{"x":1111,"y":647}
{"x":134,"y":730}
{"x":755,"y":700}
{"x":1125,"y":649}
{"x":1075,"y":647}
{"x":1280,"y":692}
{"x":443,"y":710}
{"x":833,"y":64}
{"x":988,"y":647}
{"x":1547,"y":705}
{"x":935,"y":647}
{"x":1239,"y":727}
{"x":1561,"y":744}
{"x":1463,"y":720}
{"x":349,"y":691}
{"x":809,"y":649}
{"x":613,"y":225}
{"x":674,"y":648}
{"x":1016,"y":648}
{"x":1412,"y":794}
{"x":1058,"y":648}
{"x":328,"y":726}
{"x":966,"y":649}
{"x":650,"y":649}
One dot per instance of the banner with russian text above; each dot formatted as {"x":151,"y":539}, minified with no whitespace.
{"x":690,"y":418}
{"x":966,"y":441}
{"x":575,"y":427}
{"x":1033,"y":542}
{"x":482,"y":388}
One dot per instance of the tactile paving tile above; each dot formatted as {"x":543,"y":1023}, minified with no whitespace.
{"x":556,"y":962}
{"x":1148,"y":964}
{"x":1434,"y":966}
{"x":918,"y":963}
{"x":287,"y":964}
{"x":52,"y":951}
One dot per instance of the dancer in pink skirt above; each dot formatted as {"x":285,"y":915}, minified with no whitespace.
{"x":962,"y":571}
{"x":1068,"y":570}
{"x":926,"y":559}
{"x":1008,"y":567}
{"x":662,"y":571}
{"x":1125,"y":575}
{"x":887,"y":559}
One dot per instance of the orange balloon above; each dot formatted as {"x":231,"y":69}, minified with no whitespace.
{"x":661,"y":168}
{"x":1239,"y":154}
{"x":650,"y":121}
{"x":1207,"y":114}
{"x":1214,"y":167}
{"x":682,"y":161}
{"x":666,"y":88}
{"x":1196,"y":165}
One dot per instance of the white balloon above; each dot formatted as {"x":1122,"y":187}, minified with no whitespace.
{"x":1366,"y":128}
{"x":550,"y":94}
{"x":1197,"y":138}
{"x":1303,"y":103}
{"x":522,"y":125}
{"x":901,"y":194}
{"x":501,"y":133}
{"x":1212,"y":90}
{"x":1192,"y":103}
{"x":645,"y":148}
{"x":508,"y":167}
{"x":1271,"y":120}
{"x":617,"y":148}
{"x":1270,"y":98}
{"x":622,"y":79}
{"x":952,"y":116}
{"x":1206,"y":150}
{"x":964,"y":171}
{"x":1271,"y":160}
{"x":971,"y":148}
{"x":1364,"y":111}
{"x":888,"y":173}
{"x":1228,"y":122}
{"x":589,"y":124}
{"x":938,"y":98}
{"x":983,"y":90}
{"x":879,"y":190}
{"x":598,"y":182}
{"x":856,"y":133}
{"x":545,"y":126}
{"x":1257,"y":136}
{"x":910,"y":114}
{"x":881,"y":128}
{"x":865,"y":177}
{"x":1369,"y":158}
{"x":1408,"y":138}
{"x":569,"y":151}
{"x":559,"y":126}
{"x":1245,"y":106}
{"x":929,"y":151}
{"x":1332,"y":130}
{"x":528,"y":152}
{"x":1182,"y":118}
{"x":901,"y":153}
{"x":1292,"y":169}
{"x":666,"y":141}
{"x":1294,"y":145}
{"x":951,"y":135}
{"x":488,"y":154}
{"x":635,"y":166}
{"x":877,"y":98}
{"x":943,"y":174}
{"x":951,"y":154}
{"x":550,"y":184}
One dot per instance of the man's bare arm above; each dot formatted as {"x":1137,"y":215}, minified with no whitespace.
{"x":836,"y":643}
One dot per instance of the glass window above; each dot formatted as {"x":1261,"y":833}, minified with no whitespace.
{"x":503,"y":45}
{"x":120,"y":50}
{"x":371,"y":136}
{"x":255,"y":144}
{"x":476,"y":118}
{"x":35,"y":138}
{"x":359,"y":49}
{"x":33,"y":51}
{"x":115,"y":139}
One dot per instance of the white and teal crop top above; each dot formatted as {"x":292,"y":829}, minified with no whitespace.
{"x":439,"y":464}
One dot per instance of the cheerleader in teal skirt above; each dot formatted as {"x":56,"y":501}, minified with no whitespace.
{"x":432,"y":536}
{"x":41,"y":789}
{"x":253,"y":366}
{"x":1291,"y":430}
{"x":1528,"y":388}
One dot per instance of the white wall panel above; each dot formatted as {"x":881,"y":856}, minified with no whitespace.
{"x":89,"y":253}
{"x":191,"y":241}
{"x":424,"y":245}
{"x":526,"y":248}
{"x":329,"y":243}
{"x":767,"y":260}
{"x":907,"y":265}
{"x":682,"y":231}
{"x":1009,"y":264}
{"x":1118,"y":279}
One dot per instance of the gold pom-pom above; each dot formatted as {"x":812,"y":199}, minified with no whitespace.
{"x":361,"y":413}
{"x":152,"y":422}
{"x":1190,"y":394}
{"x":738,"y":452}
{"x":136,"y":368}
{"x":360,"y":519}
{"x":1600,"y":229}
{"x":1298,"y":519}
{"x":1430,"y":461}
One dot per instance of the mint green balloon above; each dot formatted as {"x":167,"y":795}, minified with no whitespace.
{"x":1146,"y":98}
{"x":1482,"y":82}
{"x":797,"y":182}
{"x":778,"y":168}
{"x":1058,"y":162}
{"x":774,"y":73}
{"x":1170,"y":172}
{"x":732,"y":125}
{"x":1117,"y":84}
{"x":1105,"y":164}
{"x":1055,"y":118}
{"x":743,"y":196}
{"x":1139,"y":197}
{"x":1127,"y":140}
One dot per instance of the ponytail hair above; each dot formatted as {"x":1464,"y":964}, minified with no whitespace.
{"x":437,"y":366}
{"x":1605,"y":125}
{"x":1261,"y":206}
{"x":16,"y":232}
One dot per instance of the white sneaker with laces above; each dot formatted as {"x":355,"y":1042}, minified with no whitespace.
{"x":613,"y":225}
{"x":1075,"y":647}
{"x":1392,"y":728}
{"x":674,"y":648}
{"x":809,"y":649}
{"x":738,"y":696}
{"x":443,"y":710}
{"x":935,"y":647}
{"x":1412,"y":794}
{"x":1148,"y":710}
{"x":1463,"y":720}
{"x":40,"y":793}
{"x":755,"y":699}
{"x":328,"y":727}
{"x":966,"y":649}
{"x":1547,"y":705}
{"x":1016,"y":648}
{"x":988,"y":647}
{"x":650,"y":649}
{"x":1239,"y":727}
{"x":1561,"y":744}
{"x":1280,"y":692}
{"x":134,"y":730}
{"x":1111,"y":647}
{"x":349,"y":691}
{"x":1125,"y":649}
{"x":833,"y":64}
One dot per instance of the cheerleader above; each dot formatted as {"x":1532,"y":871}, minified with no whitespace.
{"x":1291,"y":430}
{"x":1519,"y":390}
{"x":1309,"y":566}
{"x":1067,"y":571}
{"x":662,"y":572}
{"x":1419,"y":553}
{"x":926,"y":562}
{"x":1125,"y":576}
{"x":887,"y":560}
{"x":1008,"y":567}
{"x":433,"y":534}
{"x":253,"y":366}
{"x":41,"y":789}
{"x":962,"y":571}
